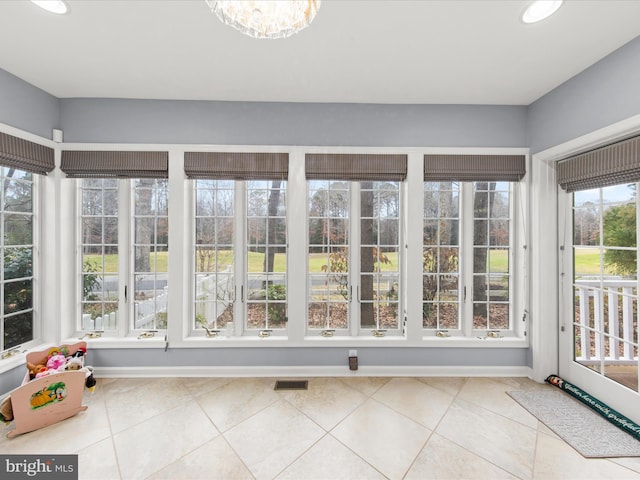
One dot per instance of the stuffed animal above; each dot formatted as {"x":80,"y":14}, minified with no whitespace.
{"x":74,"y":363}
{"x":56,"y":362}
{"x":35,"y":369}
{"x":90,"y":381}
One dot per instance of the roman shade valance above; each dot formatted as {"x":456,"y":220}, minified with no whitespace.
{"x":115,"y":164}
{"x":25,"y":155}
{"x":355,"y":167}
{"x":610,"y":165}
{"x":236,"y":165}
{"x":474,"y":168}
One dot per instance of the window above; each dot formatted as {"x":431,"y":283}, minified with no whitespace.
{"x":606,"y":281}
{"x":240,"y":242}
{"x":214,"y":262}
{"x":329,"y":288}
{"x":100,"y":254}
{"x":110,"y":225}
{"x":604,"y":217}
{"x":468,"y":239}
{"x":19,"y":161}
{"x":266,"y":259}
{"x":440,"y":257}
{"x":17,"y":244}
{"x":123,"y":234}
{"x":354,"y":237}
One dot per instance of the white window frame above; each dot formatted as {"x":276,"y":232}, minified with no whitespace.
{"x":36,"y":188}
{"x":241,"y":273}
{"x":465,"y":269}
{"x":355,"y":328}
{"x":126,"y":271}
{"x":181,"y":334}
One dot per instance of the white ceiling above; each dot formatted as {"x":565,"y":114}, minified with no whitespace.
{"x":356,"y":51}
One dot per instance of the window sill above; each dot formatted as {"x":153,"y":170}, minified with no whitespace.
{"x":308,"y":342}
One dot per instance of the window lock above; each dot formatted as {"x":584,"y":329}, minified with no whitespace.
{"x":148,"y":334}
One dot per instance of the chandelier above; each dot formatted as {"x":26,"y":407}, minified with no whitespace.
{"x":266,"y":18}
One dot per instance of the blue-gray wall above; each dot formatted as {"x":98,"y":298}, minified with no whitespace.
{"x":26,"y":107}
{"x":312,"y":356}
{"x":603,"y":94}
{"x":252,"y":123}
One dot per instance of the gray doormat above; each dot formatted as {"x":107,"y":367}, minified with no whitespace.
{"x":578,"y":425}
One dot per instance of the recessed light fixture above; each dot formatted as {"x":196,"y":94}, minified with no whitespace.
{"x":540,"y":9}
{"x":54,"y":6}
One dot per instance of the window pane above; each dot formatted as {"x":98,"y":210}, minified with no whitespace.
{"x":18,"y":229}
{"x":491,"y":271}
{"x":18,"y":329}
{"x":100,"y":276}
{"x":328,"y":263}
{"x":440,"y":256}
{"x":379,"y":254}
{"x":266,"y":254}
{"x":605,"y":281}
{"x":16,"y":210}
{"x":214,"y":255}
{"x":150,"y":254}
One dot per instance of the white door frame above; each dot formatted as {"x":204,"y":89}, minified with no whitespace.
{"x":552,"y":338}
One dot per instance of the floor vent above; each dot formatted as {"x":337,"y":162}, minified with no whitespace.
{"x":291,"y":384}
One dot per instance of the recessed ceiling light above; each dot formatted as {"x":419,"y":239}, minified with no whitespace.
{"x":53,"y":6}
{"x":540,"y":9}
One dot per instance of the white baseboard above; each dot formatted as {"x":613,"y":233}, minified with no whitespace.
{"x":312,"y":371}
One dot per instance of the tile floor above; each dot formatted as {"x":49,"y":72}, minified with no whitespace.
{"x":340,"y":428}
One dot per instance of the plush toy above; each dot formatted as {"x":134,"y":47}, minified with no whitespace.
{"x":90,"y":381}
{"x":58,"y":351}
{"x":56,"y":362}
{"x":35,"y":369}
{"x":74,"y":363}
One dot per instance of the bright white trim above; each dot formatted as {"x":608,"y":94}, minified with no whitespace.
{"x":308,"y":342}
{"x":548,"y":211}
{"x":312,"y":371}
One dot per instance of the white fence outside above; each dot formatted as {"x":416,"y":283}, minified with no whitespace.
{"x":607,"y":325}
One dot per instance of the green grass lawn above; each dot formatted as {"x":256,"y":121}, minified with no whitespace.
{"x":498,"y":261}
{"x":111,"y":261}
{"x":587,"y":262}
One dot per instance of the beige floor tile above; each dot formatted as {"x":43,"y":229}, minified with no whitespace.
{"x":98,"y":461}
{"x":367,"y":385}
{"x":132,"y":405}
{"x":384,"y":438}
{"x":67,"y":436}
{"x":159,"y":441}
{"x":416,"y":400}
{"x":555,"y":459}
{"x":379,"y":429}
{"x":272,"y":439}
{"x":441,"y":459}
{"x":449,"y":385}
{"x":491,"y":394}
{"x":503,"y":442}
{"x":238,"y":400}
{"x":632,"y":463}
{"x":326,"y":401}
{"x":329,"y":459}
{"x":215,"y":460}
{"x":203,"y":385}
